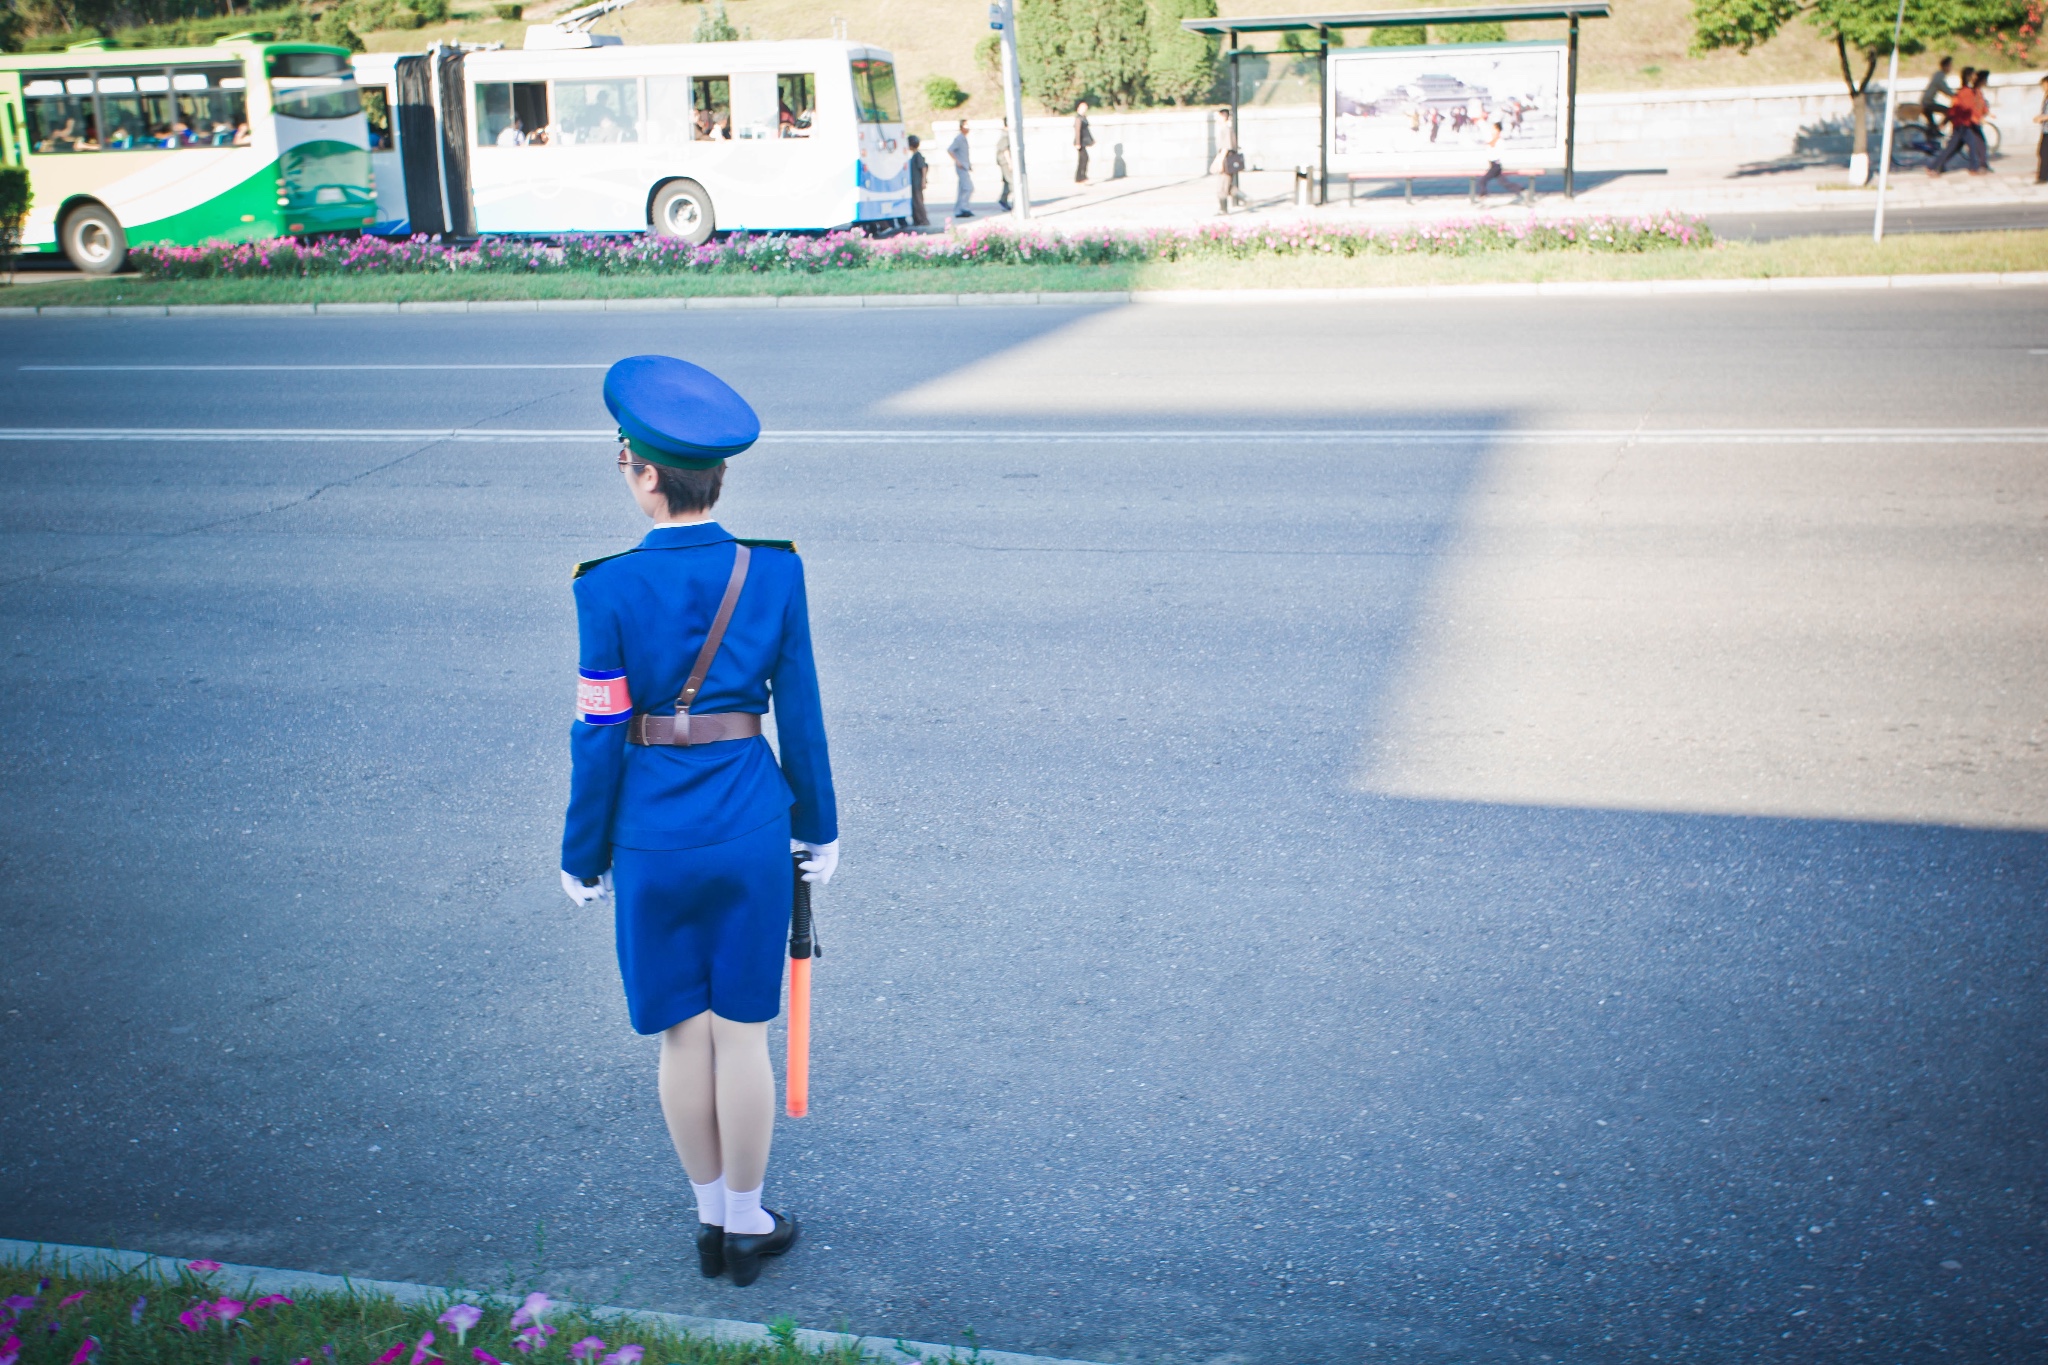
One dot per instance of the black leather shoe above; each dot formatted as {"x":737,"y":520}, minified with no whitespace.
{"x":711,"y":1250}
{"x":744,"y":1250}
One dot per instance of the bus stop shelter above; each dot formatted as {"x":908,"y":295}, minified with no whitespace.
{"x":1322,"y":25}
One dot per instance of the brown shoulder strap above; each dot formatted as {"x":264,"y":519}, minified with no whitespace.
{"x":718,"y":623}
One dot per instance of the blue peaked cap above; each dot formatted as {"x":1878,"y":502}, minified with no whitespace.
{"x":676,"y":413}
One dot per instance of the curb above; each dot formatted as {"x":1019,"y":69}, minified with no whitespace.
{"x":2030,"y":279}
{"x":267,"y":1281}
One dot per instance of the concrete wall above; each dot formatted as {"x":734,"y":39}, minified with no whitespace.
{"x":1639,"y":129}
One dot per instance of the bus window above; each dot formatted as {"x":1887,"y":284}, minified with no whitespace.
{"x":874,"y":89}
{"x":512,"y":114}
{"x":377,"y":113}
{"x":753,"y":106}
{"x":213,"y":104}
{"x":313,"y":85}
{"x":796,"y":99}
{"x":121,"y":107}
{"x":591,"y":113}
{"x":711,"y":101}
{"x":61,"y":117}
{"x":670,"y":119}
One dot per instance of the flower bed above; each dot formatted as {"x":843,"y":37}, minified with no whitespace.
{"x":835,"y":251}
{"x":72,"y":1318}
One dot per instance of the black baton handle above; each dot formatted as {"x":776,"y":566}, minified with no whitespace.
{"x":802,"y":939}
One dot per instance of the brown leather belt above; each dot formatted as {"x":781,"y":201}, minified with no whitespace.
{"x":686,"y":730}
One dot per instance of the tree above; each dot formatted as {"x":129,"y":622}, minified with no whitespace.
{"x":1072,"y":50}
{"x":714,"y":27}
{"x":1858,"y":28}
{"x":1048,"y":67}
{"x":1179,"y":66}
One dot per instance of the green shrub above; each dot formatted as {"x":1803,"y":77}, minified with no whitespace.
{"x":431,"y":11}
{"x":714,"y":27}
{"x":1472,"y":33}
{"x":943,"y":92}
{"x":509,"y":13}
{"x":988,"y":55}
{"x":1405,"y":35}
{"x":15,"y":198}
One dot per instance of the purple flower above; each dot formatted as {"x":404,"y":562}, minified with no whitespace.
{"x":533,"y":1310}
{"x":484,"y":1357}
{"x":390,"y":1355}
{"x":533,"y":1338}
{"x":420,"y":1354}
{"x":202,"y":1267}
{"x":460,"y":1318}
{"x":70,"y":1299}
{"x":590,"y":1348}
{"x":273,"y":1301}
{"x":19,"y":1303}
{"x":135,"y":1310}
{"x":626,"y":1355}
{"x":85,"y":1350}
{"x":10,"y":1350}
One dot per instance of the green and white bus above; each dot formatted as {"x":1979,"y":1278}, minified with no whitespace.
{"x":243,"y":140}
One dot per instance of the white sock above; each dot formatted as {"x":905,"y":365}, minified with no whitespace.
{"x":744,"y":1214}
{"x":711,"y":1202}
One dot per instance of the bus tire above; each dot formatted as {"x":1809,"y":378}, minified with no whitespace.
{"x":93,"y":240}
{"x":682,"y":210}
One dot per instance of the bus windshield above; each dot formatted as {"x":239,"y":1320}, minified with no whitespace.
{"x":313,"y":85}
{"x":874,"y":90}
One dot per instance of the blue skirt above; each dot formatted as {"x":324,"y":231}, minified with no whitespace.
{"x":704,"y":928}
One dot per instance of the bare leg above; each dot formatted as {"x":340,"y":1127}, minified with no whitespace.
{"x":745,"y":1085}
{"x":688,"y":1097}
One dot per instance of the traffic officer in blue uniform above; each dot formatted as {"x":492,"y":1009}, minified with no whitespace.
{"x":677,"y":805}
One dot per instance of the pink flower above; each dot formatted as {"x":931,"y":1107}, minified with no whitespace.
{"x":85,"y":1350}
{"x":420,"y":1354}
{"x":195,"y":1318}
{"x":19,"y":1303}
{"x":390,"y":1355}
{"x":626,"y":1355}
{"x":590,"y":1348}
{"x":484,"y":1357}
{"x":533,"y":1310}
{"x":533,"y":1338}
{"x":10,"y":1350}
{"x":227,"y":1310}
{"x":460,"y":1318}
{"x":70,"y":1299}
{"x":273,"y":1301}
{"x":202,"y":1267}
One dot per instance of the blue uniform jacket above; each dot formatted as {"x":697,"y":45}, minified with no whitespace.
{"x":645,"y":613}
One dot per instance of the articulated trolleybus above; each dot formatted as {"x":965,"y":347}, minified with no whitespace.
{"x":681,"y":140}
{"x":242,"y":140}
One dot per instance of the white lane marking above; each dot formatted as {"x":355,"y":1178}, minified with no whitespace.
{"x":236,"y":369}
{"x":1797,"y":436}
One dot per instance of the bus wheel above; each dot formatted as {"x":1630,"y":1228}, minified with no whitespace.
{"x":93,"y":239}
{"x":682,"y":209}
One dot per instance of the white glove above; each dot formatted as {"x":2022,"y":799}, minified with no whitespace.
{"x":824,"y":860}
{"x":584,"y":895}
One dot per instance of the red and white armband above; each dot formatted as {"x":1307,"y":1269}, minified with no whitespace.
{"x":601,"y":696}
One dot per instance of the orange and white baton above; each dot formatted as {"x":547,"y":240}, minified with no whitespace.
{"x":802,"y":948}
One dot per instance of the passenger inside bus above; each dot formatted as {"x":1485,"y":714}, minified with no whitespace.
{"x":797,"y":98}
{"x":597,"y":112}
{"x":713,"y":97}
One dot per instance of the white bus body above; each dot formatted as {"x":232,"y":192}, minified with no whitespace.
{"x":682,"y":140}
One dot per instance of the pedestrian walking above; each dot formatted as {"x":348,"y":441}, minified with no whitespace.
{"x":2041,"y":155}
{"x":1965,"y":112}
{"x":963,"y":191}
{"x":1005,"y":167}
{"x":1934,"y":96}
{"x":1227,"y":163}
{"x":1084,"y":138}
{"x":1493,"y":168}
{"x":677,"y":806}
{"x":917,"y":169}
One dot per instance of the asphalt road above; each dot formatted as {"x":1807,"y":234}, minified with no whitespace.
{"x":1545,"y":862}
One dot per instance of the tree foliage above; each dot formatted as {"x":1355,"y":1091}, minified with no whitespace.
{"x":1115,"y":52}
{"x":1858,"y":28}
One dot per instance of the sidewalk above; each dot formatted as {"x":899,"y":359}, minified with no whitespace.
{"x":1699,"y":188}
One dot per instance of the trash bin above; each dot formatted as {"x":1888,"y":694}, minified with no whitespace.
{"x":1304,"y":185}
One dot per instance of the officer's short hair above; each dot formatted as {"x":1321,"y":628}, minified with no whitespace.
{"x":687,"y":490}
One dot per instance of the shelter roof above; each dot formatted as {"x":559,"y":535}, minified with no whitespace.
{"x":1401,"y":18}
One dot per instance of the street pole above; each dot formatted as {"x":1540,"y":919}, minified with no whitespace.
{"x":1891,"y":121}
{"x":1003,"y":16}
{"x":1571,"y":113}
{"x":1323,"y":133}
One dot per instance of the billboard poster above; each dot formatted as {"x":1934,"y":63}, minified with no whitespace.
{"x":1403,"y":110}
